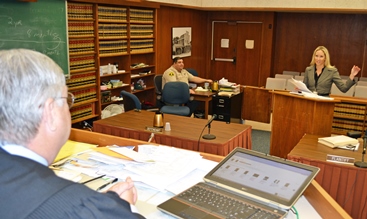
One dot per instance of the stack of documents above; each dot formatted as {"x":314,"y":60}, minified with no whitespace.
{"x":340,"y":141}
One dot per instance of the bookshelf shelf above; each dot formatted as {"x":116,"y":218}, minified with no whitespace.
{"x":349,"y":115}
{"x":103,"y":35}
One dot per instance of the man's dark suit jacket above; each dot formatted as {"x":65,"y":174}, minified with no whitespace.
{"x":31,"y":190}
{"x":326,"y":80}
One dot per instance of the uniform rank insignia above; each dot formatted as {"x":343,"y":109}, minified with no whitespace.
{"x":171,"y":74}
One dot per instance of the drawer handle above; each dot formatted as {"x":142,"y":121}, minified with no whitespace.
{"x":220,"y":105}
{"x":221,"y":117}
{"x":221,"y":101}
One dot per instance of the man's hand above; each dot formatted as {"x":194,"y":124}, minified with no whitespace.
{"x":126,"y":190}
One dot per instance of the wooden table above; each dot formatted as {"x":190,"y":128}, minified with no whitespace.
{"x":206,"y":97}
{"x":323,"y":203}
{"x":185,"y":131}
{"x":345,"y":183}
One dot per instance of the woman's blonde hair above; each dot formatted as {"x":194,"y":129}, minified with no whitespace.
{"x":327,"y":56}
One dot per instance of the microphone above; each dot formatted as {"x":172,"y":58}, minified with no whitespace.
{"x":210,"y":136}
{"x":362,"y":164}
{"x":211,"y":119}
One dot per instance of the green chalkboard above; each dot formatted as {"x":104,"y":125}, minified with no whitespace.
{"x":39,"y":26}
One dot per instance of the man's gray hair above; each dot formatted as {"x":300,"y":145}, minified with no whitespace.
{"x":27,"y":79}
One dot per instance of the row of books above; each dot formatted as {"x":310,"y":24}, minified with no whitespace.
{"x":81,"y":46}
{"x":349,"y":109}
{"x":76,"y":80}
{"x":81,"y":62}
{"x":141,"y":15}
{"x":115,"y":46}
{"x":79,"y":29}
{"x":106,"y":31}
{"x":111,"y":13}
{"x":80,"y":11}
{"x":85,"y":94}
{"x":81,"y":111}
{"x":343,"y":124}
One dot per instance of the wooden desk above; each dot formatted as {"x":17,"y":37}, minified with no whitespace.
{"x":345,"y":183}
{"x":206,"y":97}
{"x":185,"y":131}
{"x":295,"y":115}
{"x":315,"y":194}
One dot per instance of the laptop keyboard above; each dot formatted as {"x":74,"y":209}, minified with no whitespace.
{"x":222,"y":205}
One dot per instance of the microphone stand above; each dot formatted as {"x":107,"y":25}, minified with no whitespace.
{"x":210,"y":136}
{"x":362,"y":164}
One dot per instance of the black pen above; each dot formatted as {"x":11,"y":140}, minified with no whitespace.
{"x":90,"y":180}
{"x":104,"y":185}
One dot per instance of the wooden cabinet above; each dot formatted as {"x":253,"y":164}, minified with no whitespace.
{"x":349,"y":115}
{"x":111,"y":45}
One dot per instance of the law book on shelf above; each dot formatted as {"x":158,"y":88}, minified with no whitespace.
{"x":338,"y":141}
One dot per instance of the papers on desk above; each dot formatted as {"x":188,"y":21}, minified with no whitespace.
{"x":304,"y":91}
{"x":340,"y":141}
{"x":170,"y":165}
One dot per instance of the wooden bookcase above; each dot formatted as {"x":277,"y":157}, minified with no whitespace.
{"x":349,"y":115}
{"x":102,"y":36}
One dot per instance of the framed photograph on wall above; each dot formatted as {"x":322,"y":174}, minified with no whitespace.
{"x":181,"y":41}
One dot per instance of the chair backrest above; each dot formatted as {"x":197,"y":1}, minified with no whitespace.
{"x":158,"y":84}
{"x":290,"y":86}
{"x":294,"y":73}
{"x":363,"y":78}
{"x":335,"y":90}
{"x":192,"y":71}
{"x":276,"y":83}
{"x":362,"y":83}
{"x":176,"y":93}
{"x":299,"y":77}
{"x":360,"y":91}
{"x":283,"y":76}
{"x":130,"y":101}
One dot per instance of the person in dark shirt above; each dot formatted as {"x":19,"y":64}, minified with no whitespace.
{"x":320,"y":75}
{"x":35,"y":124}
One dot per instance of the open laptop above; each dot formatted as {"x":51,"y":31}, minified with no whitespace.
{"x":245,"y":184}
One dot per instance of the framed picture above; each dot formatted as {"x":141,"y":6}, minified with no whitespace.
{"x":181,"y":41}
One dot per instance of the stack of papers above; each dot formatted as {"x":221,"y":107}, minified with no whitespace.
{"x":340,"y":141}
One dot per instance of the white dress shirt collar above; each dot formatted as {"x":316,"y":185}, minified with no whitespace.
{"x":24,"y":152}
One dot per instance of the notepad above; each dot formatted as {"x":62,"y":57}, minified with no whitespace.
{"x":338,"y":141}
{"x":71,"y":148}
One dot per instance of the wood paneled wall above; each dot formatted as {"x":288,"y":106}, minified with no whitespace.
{"x":169,"y":17}
{"x":298,"y":34}
{"x":295,"y":37}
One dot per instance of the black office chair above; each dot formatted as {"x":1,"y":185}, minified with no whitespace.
{"x":130,"y":101}
{"x":175,"y":95}
{"x":195,"y":73}
{"x":192,"y":71}
{"x":158,"y":90}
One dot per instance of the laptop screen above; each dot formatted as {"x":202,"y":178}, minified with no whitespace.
{"x":263,"y":176}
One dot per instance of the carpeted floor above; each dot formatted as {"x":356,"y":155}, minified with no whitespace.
{"x":260,"y":141}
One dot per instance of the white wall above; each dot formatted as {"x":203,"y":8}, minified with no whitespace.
{"x":359,"y":5}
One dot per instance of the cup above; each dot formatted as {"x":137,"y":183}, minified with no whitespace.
{"x":167,"y":127}
{"x":206,"y":85}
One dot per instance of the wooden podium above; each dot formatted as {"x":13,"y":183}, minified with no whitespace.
{"x":295,"y":115}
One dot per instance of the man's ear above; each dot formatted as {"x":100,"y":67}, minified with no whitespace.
{"x":49,"y":114}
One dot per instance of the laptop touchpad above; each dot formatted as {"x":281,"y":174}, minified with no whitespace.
{"x":192,"y":213}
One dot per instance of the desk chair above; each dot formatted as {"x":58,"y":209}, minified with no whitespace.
{"x":335,"y":91}
{"x":175,"y":95}
{"x":362,"y":83}
{"x":195,"y":73}
{"x":276,"y":83}
{"x":130,"y":101}
{"x":360,"y":91}
{"x":158,"y":90}
{"x":294,"y":73}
